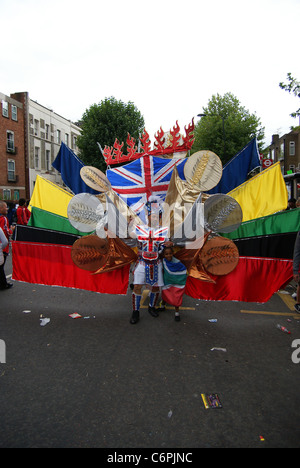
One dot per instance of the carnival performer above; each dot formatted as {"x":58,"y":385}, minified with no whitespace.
{"x":4,"y":225}
{"x":148,"y":269}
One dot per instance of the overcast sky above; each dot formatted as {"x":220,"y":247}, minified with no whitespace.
{"x":167,"y":56}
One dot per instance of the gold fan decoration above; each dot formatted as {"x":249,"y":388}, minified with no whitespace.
{"x":95,"y":179}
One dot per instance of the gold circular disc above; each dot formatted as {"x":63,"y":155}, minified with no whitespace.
{"x":222,"y":213}
{"x":219,"y":256}
{"x":90,"y":252}
{"x":203,"y":169}
{"x":95,"y":178}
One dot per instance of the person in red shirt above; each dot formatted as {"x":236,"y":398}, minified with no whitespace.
{"x":4,"y":225}
{"x":23,"y":214}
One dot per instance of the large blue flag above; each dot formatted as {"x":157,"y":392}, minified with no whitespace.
{"x":235,"y":172}
{"x":69,"y":166}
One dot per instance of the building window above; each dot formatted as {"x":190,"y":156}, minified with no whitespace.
{"x":6,"y":194}
{"x":47,"y":132}
{"x":48,"y":160}
{"x":16,"y":195}
{"x":58,"y":136}
{"x":37,"y":157}
{"x":292,"y":148}
{"x":292,"y":168}
{"x":14,"y":113}
{"x":10,"y":142}
{"x":11,"y":175}
{"x":5,"y":109}
{"x":36,"y":127}
{"x":66,"y":139}
{"x":74,"y":142}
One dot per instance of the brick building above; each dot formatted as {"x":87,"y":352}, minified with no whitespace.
{"x":30,"y":138}
{"x":286,"y":149}
{"x":13,"y":173}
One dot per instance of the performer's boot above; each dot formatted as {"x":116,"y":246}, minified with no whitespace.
{"x":162,"y":306}
{"x":135,"y":317}
{"x":136,"y":300}
{"x":152,"y":303}
{"x":177,"y":317}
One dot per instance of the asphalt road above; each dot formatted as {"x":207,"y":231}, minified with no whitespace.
{"x":101,"y":382}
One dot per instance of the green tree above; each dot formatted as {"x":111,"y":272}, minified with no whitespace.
{"x":292,"y":86}
{"x":103,"y":123}
{"x":226,"y":127}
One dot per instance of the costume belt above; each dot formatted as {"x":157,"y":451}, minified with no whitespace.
{"x":144,"y":262}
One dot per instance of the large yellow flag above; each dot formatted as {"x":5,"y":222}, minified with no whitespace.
{"x":263,"y":195}
{"x":50,"y":197}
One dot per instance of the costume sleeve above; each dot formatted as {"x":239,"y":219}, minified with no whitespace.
{"x":3,"y":239}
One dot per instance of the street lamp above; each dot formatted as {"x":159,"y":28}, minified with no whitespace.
{"x":223,"y":121}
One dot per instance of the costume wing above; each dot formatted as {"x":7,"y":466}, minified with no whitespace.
{"x":97,"y":255}
{"x":117,"y":222}
{"x":192,"y":227}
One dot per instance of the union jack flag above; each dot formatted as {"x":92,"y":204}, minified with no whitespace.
{"x":151,"y":239}
{"x":146,"y":176}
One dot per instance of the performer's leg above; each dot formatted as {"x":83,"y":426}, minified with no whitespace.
{"x":3,"y":282}
{"x":153,"y":298}
{"x":136,"y":301}
{"x":153,"y":301}
{"x":297,"y":305}
{"x":177,"y":314}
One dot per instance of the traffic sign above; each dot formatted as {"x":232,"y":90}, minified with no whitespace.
{"x":266,"y":162}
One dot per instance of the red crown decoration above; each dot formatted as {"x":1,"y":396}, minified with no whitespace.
{"x":165,"y":144}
